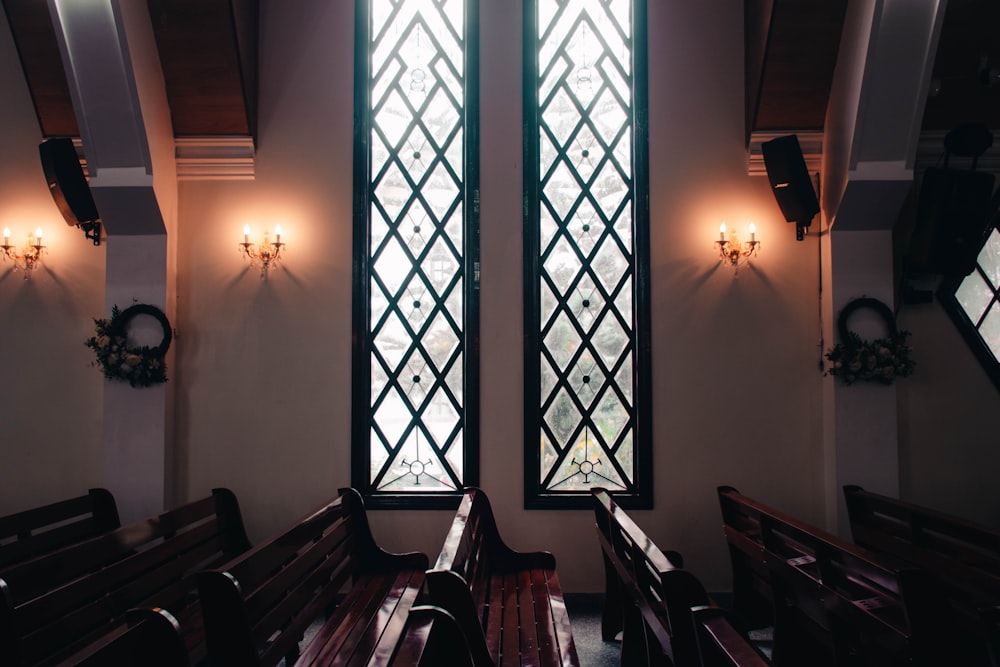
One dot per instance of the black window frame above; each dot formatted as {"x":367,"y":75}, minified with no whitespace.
{"x":361,"y":344}
{"x":535,"y":496}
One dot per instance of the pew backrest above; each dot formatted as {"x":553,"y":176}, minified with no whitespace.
{"x":963,"y":554}
{"x":473,"y":579}
{"x":720,"y":644}
{"x":851,"y":598}
{"x":432,"y":638}
{"x":39,"y":530}
{"x":61,"y":602}
{"x":258,"y":606}
{"x":652,"y":580}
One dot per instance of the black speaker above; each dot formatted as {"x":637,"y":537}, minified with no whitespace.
{"x":790,"y":182}
{"x":67,"y":182}
{"x":954,"y":214}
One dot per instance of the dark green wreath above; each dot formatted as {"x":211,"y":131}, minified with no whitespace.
{"x":139,"y":366}
{"x":881,"y":360}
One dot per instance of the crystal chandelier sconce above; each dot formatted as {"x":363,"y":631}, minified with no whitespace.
{"x":264,"y":254}
{"x":24,"y":258}
{"x":734,"y":252}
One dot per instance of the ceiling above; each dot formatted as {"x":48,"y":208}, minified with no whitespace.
{"x":791,"y":50}
{"x":208,"y":52}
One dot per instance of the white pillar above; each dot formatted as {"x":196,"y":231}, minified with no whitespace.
{"x":120,"y":102}
{"x":882,"y":75}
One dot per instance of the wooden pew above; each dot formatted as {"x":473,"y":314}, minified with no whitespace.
{"x":831,"y":602}
{"x":509,"y":604}
{"x":31,"y":533}
{"x":432,"y":638}
{"x":720,"y":644}
{"x":68,"y":601}
{"x":148,"y":638}
{"x":258,"y":606}
{"x":647,"y":594}
{"x":963,"y":554}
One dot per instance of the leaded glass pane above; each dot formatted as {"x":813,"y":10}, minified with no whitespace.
{"x":416,"y":245}
{"x":974,"y":295}
{"x":989,"y":259}
{"x":973,"y":301}
{"x":990,"y":330}
{"x":586,"y":256}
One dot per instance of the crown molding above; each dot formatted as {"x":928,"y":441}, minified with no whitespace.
{"x":215,"y":158}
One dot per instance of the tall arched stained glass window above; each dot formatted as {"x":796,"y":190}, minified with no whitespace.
{"x":587,"y":387}
{"x":416,"y":251}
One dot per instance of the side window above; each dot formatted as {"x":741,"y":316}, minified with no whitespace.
{"x":586,"y":228}
{"x":415,"y":421}
{"x":973,"y":302}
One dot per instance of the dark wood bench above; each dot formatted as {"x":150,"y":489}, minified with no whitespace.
{"x":258,"y":606}
{"x":720,"y":644}
{"x":831,"y":602}
{"x":37,"y":531}
{"x":71,"y":600}
{"x":648,"y":596}
{"x":509,"y":604}
{"x":148,"y":638}
{"x":432,"y":638}
{"x":963,"y":554}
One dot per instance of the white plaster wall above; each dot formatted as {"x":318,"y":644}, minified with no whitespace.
{"x":50,"y":399}
{"x":949,"y":441}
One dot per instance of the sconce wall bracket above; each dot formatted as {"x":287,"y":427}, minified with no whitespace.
{"x":734,"y":252}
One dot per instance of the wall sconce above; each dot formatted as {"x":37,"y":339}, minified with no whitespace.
{"x":24,"y":258}
{"x":264,"y":254}
{"x":734,"y":252}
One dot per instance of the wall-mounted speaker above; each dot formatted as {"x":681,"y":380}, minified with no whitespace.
{"x":790,"y":182}
{"x":66,"y":181}
{"x":955,"y":211}
{"x":68,"y":186}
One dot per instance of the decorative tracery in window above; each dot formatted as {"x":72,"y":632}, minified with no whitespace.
{"x":585,"y":229}
{"x":414,"y":302}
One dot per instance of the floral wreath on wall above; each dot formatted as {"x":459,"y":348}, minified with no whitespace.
{"x":141,"y":366}
{"x":881,"y":360}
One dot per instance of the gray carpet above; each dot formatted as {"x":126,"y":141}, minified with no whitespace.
{"x":585,"y":617}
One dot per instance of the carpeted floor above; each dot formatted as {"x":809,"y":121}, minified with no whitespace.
{"x":585,"y":617}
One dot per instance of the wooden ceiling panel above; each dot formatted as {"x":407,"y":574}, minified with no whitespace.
{"x":35,"y":39}
{"x":203,"y":61}
{"x":208,"y":53}
{"x":799,"y":55}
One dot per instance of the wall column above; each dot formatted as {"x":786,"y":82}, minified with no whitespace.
{"x":882,"y":76}
{"x":113,"y":70}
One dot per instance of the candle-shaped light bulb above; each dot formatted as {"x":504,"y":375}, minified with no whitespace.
{"x":246,"y":233}
{"x":277,"y":234}
{"x":722,"y":232}
{"x":753,"y":232}
{"x":38,"y":236}
{"x":6,"y":235}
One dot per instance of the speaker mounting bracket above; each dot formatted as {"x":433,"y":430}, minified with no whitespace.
{"x":92,"y":230}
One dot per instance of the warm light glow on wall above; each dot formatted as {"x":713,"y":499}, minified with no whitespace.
{"x":24,"y":258}
{"x":733,"y":251}
{"x":264,"y":255}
